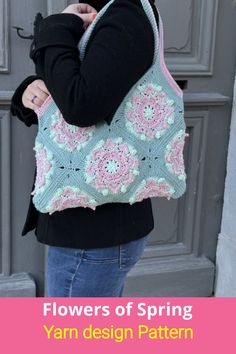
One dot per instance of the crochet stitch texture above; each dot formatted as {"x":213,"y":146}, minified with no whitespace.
{"x":139,"y":155}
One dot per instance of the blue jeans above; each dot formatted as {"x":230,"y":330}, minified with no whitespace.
{"x":93,"y":272}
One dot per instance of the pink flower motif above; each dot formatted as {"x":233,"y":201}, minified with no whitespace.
{"x":111,"y":166}
{"x":150,"y":112}
{"x":70,"y":197}
{"x":174,"y":155}
{"x":67,"y":136}
{"x":152,"y":187}
{"x":44,"y":168}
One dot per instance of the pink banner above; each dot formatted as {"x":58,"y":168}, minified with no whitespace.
{"x":120,"y":325}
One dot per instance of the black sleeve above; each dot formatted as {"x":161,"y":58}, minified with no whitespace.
{"x":26,"y":115}
{"x":120,"y":50}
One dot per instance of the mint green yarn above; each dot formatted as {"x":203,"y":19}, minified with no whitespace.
{"x":139,"y":155}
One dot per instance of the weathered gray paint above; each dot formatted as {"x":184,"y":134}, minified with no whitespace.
{"x":225,"y":284}
{"x":5,"y":193}
{"x":4,"y":55}
{"x":56,"y":6}
{"x":17,"y":285}
{"x":171,"y":276}
{"x":190,"y":34}
{"x":180,"y":257}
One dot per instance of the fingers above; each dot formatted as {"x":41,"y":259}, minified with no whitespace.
{"x":85,"y":8}
{"x":29,"y":104}
{"x":42,"y":86}
{"x":36,"y":88}
{"x":88,"y":19}
{"x":85,"y":11}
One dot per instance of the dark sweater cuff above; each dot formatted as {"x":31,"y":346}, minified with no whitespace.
{"x":57,"y":30}
{"x":26,"y":115}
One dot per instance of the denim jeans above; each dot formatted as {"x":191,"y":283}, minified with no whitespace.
{"x":93,"y":272}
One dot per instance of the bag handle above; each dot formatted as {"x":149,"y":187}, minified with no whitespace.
{"x":85,"y":38}
{"x":150,"y":14}
{"x":157,"y":31}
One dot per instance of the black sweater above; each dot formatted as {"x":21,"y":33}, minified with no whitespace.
{"x":119,"y":52}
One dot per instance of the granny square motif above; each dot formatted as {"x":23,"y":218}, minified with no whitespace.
{"x":139,"y":155}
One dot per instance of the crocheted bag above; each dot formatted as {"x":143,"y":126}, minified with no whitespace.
{"x":139,"y":155}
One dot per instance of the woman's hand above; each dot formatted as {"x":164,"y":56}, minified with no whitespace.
{"x":86,"y":12}
{"x":36,"y":88}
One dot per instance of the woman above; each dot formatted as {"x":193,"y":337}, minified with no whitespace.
{"x":90,"y":252}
